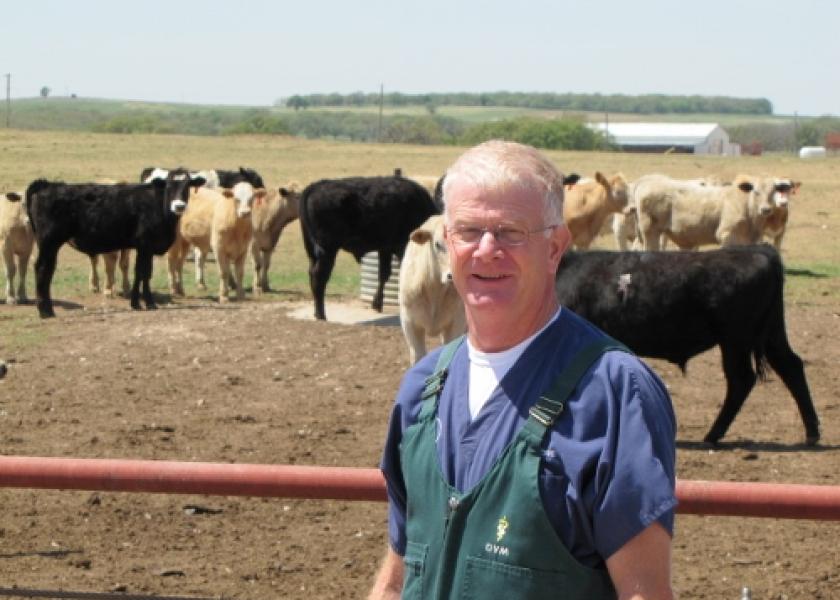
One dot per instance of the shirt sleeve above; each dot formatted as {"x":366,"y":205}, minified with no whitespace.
{"x":403,"y":415}
{"x":634,"y":482}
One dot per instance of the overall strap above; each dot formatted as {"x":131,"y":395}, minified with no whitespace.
{"x":551,"y":403}
{"x":435,"y":381}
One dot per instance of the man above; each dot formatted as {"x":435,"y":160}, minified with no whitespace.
{"x":536,"y":458}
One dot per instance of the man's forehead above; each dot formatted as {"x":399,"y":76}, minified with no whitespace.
{"x":465,"y":191}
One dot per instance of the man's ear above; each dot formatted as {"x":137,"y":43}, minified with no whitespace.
{"x":561,"y":239}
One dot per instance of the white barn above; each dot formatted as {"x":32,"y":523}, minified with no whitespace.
{"x":691,"y":138}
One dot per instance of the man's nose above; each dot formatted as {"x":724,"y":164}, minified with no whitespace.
{"x":487,"y":243}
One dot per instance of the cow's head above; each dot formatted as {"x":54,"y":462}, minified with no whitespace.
{"x":431,"y":233}
{"x":177,"y":188}
{"x":760,"y":192}
{"x":619,"y":190}
{"x":615,"y":188}
{"x":783,"y":190}
{"x":291,"y":194}
{"x":244,"y":195}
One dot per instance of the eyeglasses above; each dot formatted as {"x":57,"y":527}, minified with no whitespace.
{"x":505,"y":235}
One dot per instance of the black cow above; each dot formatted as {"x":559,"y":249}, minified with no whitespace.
{"x":103,"y":218}
{"x":360,"y":215}
{"x":675,"y":305}
{"x":213,"y":178}
{"x":228,"y":179}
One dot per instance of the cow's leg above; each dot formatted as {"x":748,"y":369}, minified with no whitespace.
{"x":110,"y":261}
{"x":788,"y":365}
{"x":266,"y":265}
{"x":200,"y":262}
{"x":142,"y":275}
{"x":148,"y":297}
{"x":23,"y":265}
{"x":620,"y":231}
{"x":222,"y":259}
{"x":256,"y":256}
{"x":320,"y":270}
{"x":93,"y":277}
{"x":175,"y":261}
{"x":415,"y":337}
{"x":262,"y":262}
{"x":239,"y":276}
{"x":648,"y":231}
{"x":384,"y":274}
{"x":124,"y":263}
{"x":740,"y":379}
{"x":9,"y":264}
{"x":44,"y":270}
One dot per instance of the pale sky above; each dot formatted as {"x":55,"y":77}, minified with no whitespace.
{"x":252,"y":52}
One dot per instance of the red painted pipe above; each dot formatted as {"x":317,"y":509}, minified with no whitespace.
{"x":776,"y":500}
{"x":748,"y":499}
{"x":171,"y":477}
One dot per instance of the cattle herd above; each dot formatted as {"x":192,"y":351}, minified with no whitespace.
{"x":664,"y":304}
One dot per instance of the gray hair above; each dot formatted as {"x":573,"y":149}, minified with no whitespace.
{"x":501,"y":165}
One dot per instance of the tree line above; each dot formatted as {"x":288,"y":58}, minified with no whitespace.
{"x":616,"y":103}
{"x":568,"y":132}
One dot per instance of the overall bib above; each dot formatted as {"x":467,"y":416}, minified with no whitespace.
{"x":494,"y":541}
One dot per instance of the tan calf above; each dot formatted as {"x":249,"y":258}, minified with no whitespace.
{"x":588,"y":203}
{"x":269,"y":215}
{"x":231,"y":235}
{"x":17,"y":241}
{"x":194,"y":229}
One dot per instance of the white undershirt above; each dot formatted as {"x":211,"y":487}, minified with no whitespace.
{"x":488,"y":368}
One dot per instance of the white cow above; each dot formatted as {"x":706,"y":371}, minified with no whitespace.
{"x":692,"y":215}
{"x":429,"y":303}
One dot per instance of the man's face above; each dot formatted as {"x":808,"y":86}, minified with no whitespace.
{"x":494,"y":277}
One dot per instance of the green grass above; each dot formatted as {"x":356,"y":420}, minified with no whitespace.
{"x":811,"y":283}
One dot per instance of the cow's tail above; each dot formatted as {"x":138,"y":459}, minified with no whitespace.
{"x":774,"y":318}
{"x":34,"y":187}
{"x":313,"y":250}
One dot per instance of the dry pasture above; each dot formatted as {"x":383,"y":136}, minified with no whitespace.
{"x":245,"y":383}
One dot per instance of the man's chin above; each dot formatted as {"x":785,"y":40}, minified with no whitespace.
{"x":487,"y":301}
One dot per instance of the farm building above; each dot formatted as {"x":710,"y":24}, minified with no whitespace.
{"x":689,"y":138}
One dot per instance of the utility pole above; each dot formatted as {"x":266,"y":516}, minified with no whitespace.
{"x":381,"y":101}
{"x":8,"y":98}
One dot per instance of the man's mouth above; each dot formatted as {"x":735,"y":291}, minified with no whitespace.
{"x":489,"y":277}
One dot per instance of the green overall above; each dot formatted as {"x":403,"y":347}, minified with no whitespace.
{"x":494,"y":541}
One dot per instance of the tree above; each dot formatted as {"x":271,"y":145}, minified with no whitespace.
{"x":45,"y":91}
{"x":297,"y":102}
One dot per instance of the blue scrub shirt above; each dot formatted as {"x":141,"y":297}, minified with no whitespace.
{"x":608,"y":469}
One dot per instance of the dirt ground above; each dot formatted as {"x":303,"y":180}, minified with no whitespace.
{"x":247,"y":383}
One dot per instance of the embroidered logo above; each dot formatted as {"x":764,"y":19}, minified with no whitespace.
{"x":501,"y":528}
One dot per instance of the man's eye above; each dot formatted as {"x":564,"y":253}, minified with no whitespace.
{"x":471,"y":233}
{"x":512,"y":235}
